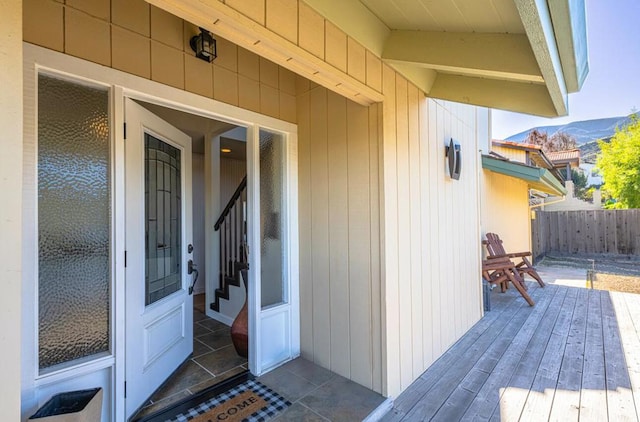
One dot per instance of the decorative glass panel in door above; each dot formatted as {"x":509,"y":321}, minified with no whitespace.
{"x":272,"y":207}
{"x":162,"y":219}
{"x":74,"y":215}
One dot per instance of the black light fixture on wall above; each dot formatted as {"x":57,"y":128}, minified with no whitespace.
{"x":204,"y":45}
{"x":454,"y":158}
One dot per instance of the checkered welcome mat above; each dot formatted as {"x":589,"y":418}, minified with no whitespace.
{"x":247,"y":402}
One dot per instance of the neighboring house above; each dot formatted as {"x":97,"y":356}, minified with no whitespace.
{"x":566,"y":160}
{"x":569,"y":202}
{"x":514,"y":173}
{"x":364,"y":253}
{"x":569,"y":160}
{"x":594,"y":177}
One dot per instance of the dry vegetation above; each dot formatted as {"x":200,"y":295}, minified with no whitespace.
{"x":617,"y":283}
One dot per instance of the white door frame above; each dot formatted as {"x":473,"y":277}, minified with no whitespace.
{"x":36,"y":57}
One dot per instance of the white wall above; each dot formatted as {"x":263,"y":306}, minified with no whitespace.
{"x":11,"y":213}
{"x":587,"y":168}
{"x":570,"y":202}
{"x":199,"y":223}
{"x":231,"y":173}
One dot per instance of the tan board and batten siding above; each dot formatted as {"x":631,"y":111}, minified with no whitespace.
{"x":143,"y":40}
{"x":340,"y":234}
{"x":427,"y":285}
{"x":431,"y":229}
{"x":389,"y":245}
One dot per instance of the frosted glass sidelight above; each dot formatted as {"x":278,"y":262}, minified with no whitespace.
{"x":272,"y":208}
{"x":163,"y":221}
{"x":74,"y":217}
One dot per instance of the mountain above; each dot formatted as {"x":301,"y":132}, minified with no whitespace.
{"x":584,"y":131}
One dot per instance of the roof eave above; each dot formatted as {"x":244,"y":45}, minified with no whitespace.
{"x":569,"y":23}
{"x":539,"y":27}
{"x":510,"y":86}
{"x":537,"y":178}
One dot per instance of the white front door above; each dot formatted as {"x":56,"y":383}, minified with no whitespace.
{"x":159,"y":317}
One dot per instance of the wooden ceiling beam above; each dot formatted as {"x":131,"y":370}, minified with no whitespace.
{"x":496,"y":56}
{"x":506,"y":95}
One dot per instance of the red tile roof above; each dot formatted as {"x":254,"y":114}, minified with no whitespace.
{"x":518,"y":145}
{"x":568,"y":155}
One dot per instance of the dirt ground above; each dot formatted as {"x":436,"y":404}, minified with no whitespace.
{"x":620,"y":274}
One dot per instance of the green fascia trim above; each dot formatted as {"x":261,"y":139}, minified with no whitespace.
{"x":553,"y":183}
{"x":537,"y":178}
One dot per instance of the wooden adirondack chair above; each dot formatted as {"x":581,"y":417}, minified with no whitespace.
{"x":502,"y":271}
{"x":496,"y":250}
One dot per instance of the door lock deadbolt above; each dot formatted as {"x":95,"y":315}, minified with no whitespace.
{"x":190,"y":248}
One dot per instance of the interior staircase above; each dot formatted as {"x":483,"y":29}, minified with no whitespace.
{"x":234,"y":254}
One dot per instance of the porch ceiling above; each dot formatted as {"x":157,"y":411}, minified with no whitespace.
{"x":518,"y":55}
{"x":495,"y":53}
{"x":197,"y":127}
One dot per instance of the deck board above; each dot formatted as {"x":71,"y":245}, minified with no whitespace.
{"x":566,"y":401}
{"x":574,"y":356}
{"x":632,"y":347}
{"x":619,"y":396}
{"x":516,"y":390}
{"x":503,"y":351}
{"x":429,"y":404}
{"x":538,"y":404}
{"x":593,"y":400}
{"x":488,"y":398}
{"x":466,"y":391}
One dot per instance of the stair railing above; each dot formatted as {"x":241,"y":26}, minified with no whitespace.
{"x":232,"y":226}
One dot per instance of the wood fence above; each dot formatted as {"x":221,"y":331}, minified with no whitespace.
{"x":586,"y":232}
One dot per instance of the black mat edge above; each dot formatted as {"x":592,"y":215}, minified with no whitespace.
{"x":188,"y":402}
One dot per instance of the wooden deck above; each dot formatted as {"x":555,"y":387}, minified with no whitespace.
{"x":574,"y":356}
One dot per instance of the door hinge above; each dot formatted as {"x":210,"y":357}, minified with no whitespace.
{"x":125,"y":130}
{"x":125,"y":389}
{"x":125,"y":259}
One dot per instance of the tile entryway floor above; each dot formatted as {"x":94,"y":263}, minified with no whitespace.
{"x":315,"y":393}
{"x":214,"y":360}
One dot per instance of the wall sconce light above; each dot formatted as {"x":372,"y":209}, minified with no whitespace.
{"x":204,"y":46}
{"x":453,"y":154}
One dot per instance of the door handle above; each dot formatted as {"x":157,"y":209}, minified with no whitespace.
{"x":191,"y":268}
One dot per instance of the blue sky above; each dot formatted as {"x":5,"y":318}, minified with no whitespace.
{"x":612,"y":87}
